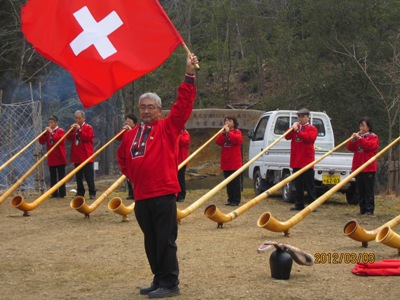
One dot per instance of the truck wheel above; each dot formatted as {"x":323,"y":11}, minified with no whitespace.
{"x":260,"y":185}
{"x":352,"y":196}
{"x":287,"y":191}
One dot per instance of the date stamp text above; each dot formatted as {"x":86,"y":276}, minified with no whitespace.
{"x":343,"y":258}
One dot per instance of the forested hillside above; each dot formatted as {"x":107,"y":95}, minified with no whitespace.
{"x":341,"y":57}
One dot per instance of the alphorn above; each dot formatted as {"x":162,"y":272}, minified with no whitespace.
{"x":354,"y":231}
{"x":213,"y":213}
{"x":389,"y":238}
{"x":79,"y":202}
{"x":267,"y":221}
{"x":184,"y":213}
{"x":116,"y":205}
{"x":19,"y":202}
{"x":27,"y":173}
{"x":20,"y":151}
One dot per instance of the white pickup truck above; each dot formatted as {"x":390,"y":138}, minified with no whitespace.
{"x":273,"y":166}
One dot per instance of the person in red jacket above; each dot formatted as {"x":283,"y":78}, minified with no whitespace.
{"x":82,"y":139}
{"x":365,"y":145}
{"x":302,"y":153}
{"x":130,"y":122}
{"x":57,"y":159}
{"x":147,"y":157}
{"x":183,"y":153}
{"x":230,"y":139}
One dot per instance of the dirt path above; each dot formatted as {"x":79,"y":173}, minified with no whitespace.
{"x":57,"y":254}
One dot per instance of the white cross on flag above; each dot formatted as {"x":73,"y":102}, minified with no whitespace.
{"x":103,"y":44}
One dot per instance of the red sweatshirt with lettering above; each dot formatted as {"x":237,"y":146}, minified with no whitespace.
{"x":81,"y":144}
{"x":58,"y":156}
{"x":231,"y":152}
{"x":302,"y":150}
{"x":364,"y":148}
{"x":147,"y":154}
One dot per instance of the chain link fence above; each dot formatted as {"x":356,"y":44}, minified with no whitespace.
{"x":20,"y":123}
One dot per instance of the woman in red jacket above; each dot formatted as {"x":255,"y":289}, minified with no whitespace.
{"x":182,"y":154}
{"x":365,"y":145}
{"x":57,"y":159}
{"x":231,"y":157}
{"x":130,"y":122}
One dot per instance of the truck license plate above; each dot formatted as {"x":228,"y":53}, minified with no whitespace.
{"x":330,"y":179}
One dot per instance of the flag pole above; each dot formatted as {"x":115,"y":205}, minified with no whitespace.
{"x":190,"y":53}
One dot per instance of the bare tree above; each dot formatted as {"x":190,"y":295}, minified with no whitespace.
{"x":383,"y":77}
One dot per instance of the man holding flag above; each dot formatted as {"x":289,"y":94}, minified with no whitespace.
{"x":106,"y":45}
{"x":147,"y":158}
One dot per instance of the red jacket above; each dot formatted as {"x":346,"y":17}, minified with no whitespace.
{"x":82,"y":144}
{"x":58,"y":156}
{"x":147,"y":154}
{"x":231,"y":152}
{"x":364,"y":148}
{"x":302,"y":150}
{"x":120,"y":137}
{"x":183,"y":146}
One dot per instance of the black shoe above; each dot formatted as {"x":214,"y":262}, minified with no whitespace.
{"x":228,"y":204}
{"x":180,"y":200}
{"x":163,"y":292}
{"x":129,"y":198}
{"x":234,"y":204}
{"x":92,"y":197}
{"x":369,"y":213}
{"x":149,"y":289}
{"x":296,"y":208}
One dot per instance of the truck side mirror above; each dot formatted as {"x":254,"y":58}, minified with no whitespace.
{"x":250,"y":134}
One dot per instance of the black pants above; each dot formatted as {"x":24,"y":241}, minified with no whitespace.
{"x":233,"y":188}
{"x":56,"y":174}
{"x":365,"y":186}
{"x":130,"y":188}
{"x":182,"y":183}
{"x":304,"y":182}
{"x":88,"y":172}
{"x":157,"y":219}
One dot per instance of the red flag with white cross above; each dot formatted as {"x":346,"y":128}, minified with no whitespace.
{"x":103,"y":44}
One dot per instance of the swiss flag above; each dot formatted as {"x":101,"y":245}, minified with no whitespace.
{"x":103,"y":44}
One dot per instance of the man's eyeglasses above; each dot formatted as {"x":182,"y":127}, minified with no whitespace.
{"x":148,"y":107}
